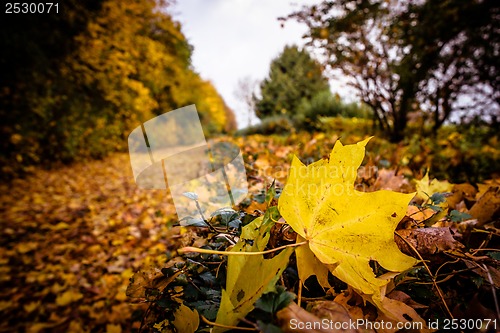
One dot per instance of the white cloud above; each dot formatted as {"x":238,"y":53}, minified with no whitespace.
{"x":233,"y":39}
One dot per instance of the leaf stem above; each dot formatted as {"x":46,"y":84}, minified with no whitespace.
{"x":188,"y":249}
{"x":299,"y":294}
{"x":495,"y":299}
{"x":206,"y":321}
{"x":440,"y":293}
{"x":210,"y":226}
{"x":484,"y":249}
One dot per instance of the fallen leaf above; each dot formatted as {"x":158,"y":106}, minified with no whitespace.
{"x":242,"y":292}
{"x":487,"y":206}
{"x":344,"y":228}
{"x":162,"y":326}
{"x":426,"y":188}
{"x":76,"y":327}
{"x":397,"y":311}
{"x":352,"y":302}
{"x":26,"y":247}
{"x":186,"y":320}
{"x":5,"y":305}
{"x":400,"y":296}
{"x":146,"y":280}
{"x":488,"y":273}
{"x":113,"y":328}
{"x":461,"y":192}
{"x":68,"y":297}
{"x":310,"y":265}
{"x":389,"y":180}
{"x":427,"y":241}
{"x":293,"y":318}
{"x":37,"y":327}
{"x":30,"y":307}
{"x":332,"y":311}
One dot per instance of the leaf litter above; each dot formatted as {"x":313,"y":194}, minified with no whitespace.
{"x":102,"y":230}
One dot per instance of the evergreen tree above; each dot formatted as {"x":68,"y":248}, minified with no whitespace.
{"x":293,"y":77}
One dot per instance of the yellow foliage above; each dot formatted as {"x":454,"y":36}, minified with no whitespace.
{"x":242,"y":292}
{"x":30,"y":307}
{"x":426,"y":188}
{"x":344,"y":228}
{"x":68,"y":297}
{"x":113,"y":328}
{"x":186,"y":320}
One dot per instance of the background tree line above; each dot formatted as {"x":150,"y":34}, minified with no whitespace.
{"x":296,"y":94}
{"x":74,"y":84}
{"x":406,"y":60}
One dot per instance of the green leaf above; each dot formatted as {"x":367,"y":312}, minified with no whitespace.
{"x":435,"y":208}
{"x":275,"y":301}
{"x":437,"y":198}
{"x":208,"y":278}
{"x":271,"y":193}
{"x":494,"y":255}
{"x":207,"y":309}
{"x":226,"y":216}
{"x":457,"y":216}
{"x":260,"y":198}
{"x":478,"y":280}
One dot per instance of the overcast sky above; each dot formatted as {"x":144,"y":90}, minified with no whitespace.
{"x":234,"y":39}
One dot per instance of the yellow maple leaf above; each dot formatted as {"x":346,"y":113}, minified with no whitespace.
{"x":344,"y":228}
{"x":426,"y":187}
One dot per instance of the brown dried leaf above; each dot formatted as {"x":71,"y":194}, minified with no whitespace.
{"x":398,"y":295}
{"x":305,"y":322}
{"x":487,"y":206}
{"x":150,"y":279}
{"x":427,"y":241}
{"x":488,"y":273}
{"x":459,"y":193}
{"x":352,"y":302}
{"x":389,"y":180}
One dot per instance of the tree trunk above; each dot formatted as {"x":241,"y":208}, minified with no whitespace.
{"x":400,"y":122}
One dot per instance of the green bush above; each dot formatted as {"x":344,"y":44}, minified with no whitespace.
{"x":325,"y":104}
{"x":271,"y":125}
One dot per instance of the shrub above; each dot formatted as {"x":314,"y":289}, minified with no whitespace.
{"x":325,"y":104}
{"x":271,"y":125}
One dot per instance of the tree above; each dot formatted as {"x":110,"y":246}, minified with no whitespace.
{"x":405,"y":56}
{"x":33,"y":48}
{"x":455,"y":46}
{"x":245,"y":92}
{"x":293,"y":76}
{"x":74,"y":85}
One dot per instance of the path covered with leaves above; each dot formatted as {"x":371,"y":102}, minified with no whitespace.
{"x":71,"y":239}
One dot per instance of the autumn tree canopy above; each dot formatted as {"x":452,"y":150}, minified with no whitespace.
{"x":432,"y":57}
{"x":293,"y":77}
{"x":75,"y":83}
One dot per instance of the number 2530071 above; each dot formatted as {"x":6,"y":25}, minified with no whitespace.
{"x":31,"y":8}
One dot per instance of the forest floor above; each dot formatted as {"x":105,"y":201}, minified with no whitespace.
{"x":71,"y":238}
